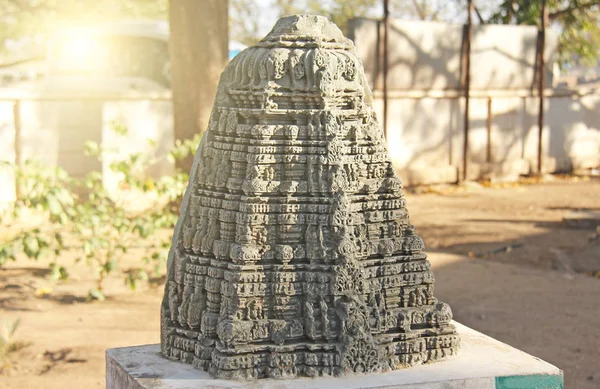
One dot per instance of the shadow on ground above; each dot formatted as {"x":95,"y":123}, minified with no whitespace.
{"x":18,"y":290}
{"x":550,"y":315}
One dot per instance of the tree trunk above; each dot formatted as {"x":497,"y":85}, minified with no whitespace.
{"x":199,"y":52}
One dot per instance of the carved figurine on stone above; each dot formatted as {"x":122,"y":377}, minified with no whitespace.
{"x":294,"y":254}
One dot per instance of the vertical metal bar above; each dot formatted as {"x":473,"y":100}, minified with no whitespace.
{"x":386,"y":33}
{"x":489,"y":130}
{"x":378,"y":58}
{"x":18,"y":145}
{"x":541,"y":83}
{"x":467,"y":87}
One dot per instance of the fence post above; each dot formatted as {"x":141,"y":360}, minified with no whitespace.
{"x":18,"y":145}
{"x":386,"y":33}
{"x":488,"y":125}
{"x":467,"y":87}
{"x":541,"y":82}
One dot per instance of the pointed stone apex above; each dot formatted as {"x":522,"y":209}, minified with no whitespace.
{"x":306,"y":25}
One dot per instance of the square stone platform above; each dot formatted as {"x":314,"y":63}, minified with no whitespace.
{"x":482,"y":363}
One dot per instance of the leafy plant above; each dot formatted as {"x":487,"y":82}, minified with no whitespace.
{"x":8,"y":344}
{"x":577,"y":20}
{"x":101,"y":225}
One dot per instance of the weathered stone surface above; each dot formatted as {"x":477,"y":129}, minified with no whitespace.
{"x":294,"y":254}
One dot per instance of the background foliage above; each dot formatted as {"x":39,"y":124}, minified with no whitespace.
{"x":100,"y":227}
{"x":578,"y":20}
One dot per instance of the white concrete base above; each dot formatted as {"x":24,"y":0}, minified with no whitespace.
{"x":482,"y":363}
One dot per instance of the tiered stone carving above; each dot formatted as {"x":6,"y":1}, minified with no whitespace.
{"x":294,"y":255}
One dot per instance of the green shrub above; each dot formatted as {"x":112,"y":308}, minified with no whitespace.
{"x":83,"y":216}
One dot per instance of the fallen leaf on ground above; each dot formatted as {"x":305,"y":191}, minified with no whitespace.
{"x":45,"y":291}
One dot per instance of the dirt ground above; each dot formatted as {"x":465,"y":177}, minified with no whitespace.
{"x":503,"y":258}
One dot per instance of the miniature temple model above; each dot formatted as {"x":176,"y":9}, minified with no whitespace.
{"x":294,"y":254}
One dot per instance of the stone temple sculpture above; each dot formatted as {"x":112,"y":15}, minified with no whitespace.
{"x":294,"y":255}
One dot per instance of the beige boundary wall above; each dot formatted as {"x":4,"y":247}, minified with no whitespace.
{"x":426,"y":107}
{"x":54,"y":129}
{"x":425,"y":133}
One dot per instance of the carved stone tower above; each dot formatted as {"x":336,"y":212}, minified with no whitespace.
{"x":294,"y":255}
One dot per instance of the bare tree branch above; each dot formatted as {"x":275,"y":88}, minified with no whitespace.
{"x":558,"y":14}
{"x":479,"y":16}
{"x":419,"y":9}
{"x":511,"y":12}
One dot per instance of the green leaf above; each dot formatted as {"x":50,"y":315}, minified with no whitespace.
{"x":65,"y":197}
{"x":88,"y":248}
{"x":91,"y":149}
{"x":7,"y":252}
{"x":58,"y":238}
{"x":130,"y":281}
{"x":109,"y":266}
{"x":58,"y":272}
{"x":54,"y":206}
{"x":142,"y":230}
{"x":95,"y":220}
{"x":104,"y":243}
{"x":142,"y":275}
{"x":64,"y":274}
{"x":31,"y":247}
{"x":119,"y":129}
{"x":95,"y":294}
{"x":134,"y":276}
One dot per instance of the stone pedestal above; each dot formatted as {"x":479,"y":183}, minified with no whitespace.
{"x":482,"y":363}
